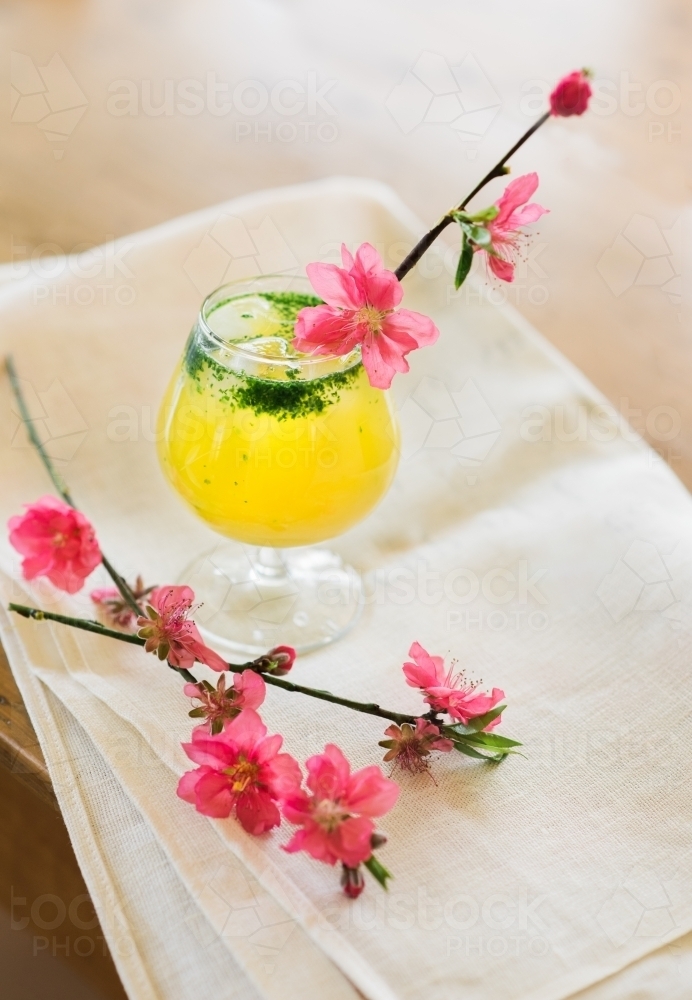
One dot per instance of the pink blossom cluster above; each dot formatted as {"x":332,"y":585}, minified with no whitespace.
{"x":447,"y":693}
{"x":241,"y":771}
{"x":361,"y":299}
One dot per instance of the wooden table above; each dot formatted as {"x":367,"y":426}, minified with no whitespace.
{"x":598,"y":279}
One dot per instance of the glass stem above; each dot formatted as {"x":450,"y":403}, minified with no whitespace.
{"x":270,"y":562}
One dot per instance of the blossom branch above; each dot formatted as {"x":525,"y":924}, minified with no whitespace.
{"x":58,"y":482}
{"x":366,"y":708}
{"x":499,"y":170}
{"x":83,"y":623}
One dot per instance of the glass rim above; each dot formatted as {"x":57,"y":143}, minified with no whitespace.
{"x":307,"y":361}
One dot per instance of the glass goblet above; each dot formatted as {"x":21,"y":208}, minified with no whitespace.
{"x":278,"y":451}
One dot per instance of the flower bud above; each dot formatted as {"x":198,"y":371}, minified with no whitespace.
{"x":352,"y":881}
{"x":281,"y":659}
{"x":571,"y":95}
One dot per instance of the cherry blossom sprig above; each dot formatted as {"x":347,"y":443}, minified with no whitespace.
{"x":78,"y":553}
{"x":241,"y":770}
{"x":361,"y":298}
{"x":569,"y":97}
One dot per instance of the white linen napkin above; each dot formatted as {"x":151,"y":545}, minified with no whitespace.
{"x":535,"y":540}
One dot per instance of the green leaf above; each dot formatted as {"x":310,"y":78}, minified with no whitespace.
{"x":486,"y":215}
{"x":465,"y":261}
{"x":470,"y":752}
{"x":490,"y":740}
{"x":216,"y":727}
{"x":378,"y":870}
{"x":478,"y":723}
{"x":481,"y":236}
{"x":460,"y":216}
{"x":197,"y":713}
{"x":389,"y":744}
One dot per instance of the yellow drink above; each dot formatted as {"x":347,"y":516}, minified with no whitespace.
{"x":268,"y":446}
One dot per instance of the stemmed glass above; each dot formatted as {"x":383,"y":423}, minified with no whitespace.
{"x":276,"y":450}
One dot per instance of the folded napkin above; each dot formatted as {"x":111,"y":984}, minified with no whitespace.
{"x":528,"y":534}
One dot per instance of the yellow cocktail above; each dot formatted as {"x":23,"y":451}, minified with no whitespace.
{"x":268,"y":446}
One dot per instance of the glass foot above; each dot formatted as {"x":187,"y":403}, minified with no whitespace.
{"x":255,"y":598}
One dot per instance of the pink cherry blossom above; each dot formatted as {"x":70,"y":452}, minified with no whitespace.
{"x":361,"y":299}
{"x":169,"y":632}
{"x":219,"y":705}
{"x":446,"y":691}
{"x":571,"y":95}
{"x":410,"y":748}
{"x":114,"y":609}
{"x":336,"y":813}
{"x":240,"y":770}
{"x":513,"y":213}
{"x":57,"y":541}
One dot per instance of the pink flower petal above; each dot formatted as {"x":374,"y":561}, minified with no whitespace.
{"x":336,"y":286}
{"x":426,"y":671}
{"x":256,"y":811}
{"x":346,"y":257}
{"x":503,"y":269}
{"x":179,"y":655}
{"x":246,"y":730}
{"x":283,"y":775}
{"x":380,"y":372}
{"x":212,"y":751}
{"x":169,"y":598}
{"x":296,"y":806}
{"x":328,"y":773}
{"x":526,"y":215}
{"x":251,"y":688}
{"x":415,"y":325}
{"x":314,"y":841}
{"x":297,"y":841}
{"x":324,"y":330}
{"x":371,"y":794}
{"x":368,"y":260}
{"x":267,"y":748}
{"x":351,"y":841}
{"x":206,"y":655}
{"x":516,"y":193}
{"x":213,"y":795}
{"x":38,"y":565}
{"x":382,"y":288}
{"x":188,"y":784}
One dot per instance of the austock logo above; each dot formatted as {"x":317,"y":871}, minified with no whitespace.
{"x":644,"y":254}
{"x":433,"y":92}
{"x":241,"y":911}
{"x":55,"y":419}
{"x":641,"y":906}
{"x":232,"y":251}
{"x":645,"y":580}
{"x":46,"y":96}
{"x":459,"y":421}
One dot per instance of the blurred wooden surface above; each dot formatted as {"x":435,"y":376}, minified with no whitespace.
{"x":51,"y":944}
{"x":601,"y":280}
{"x":19,"y":749}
